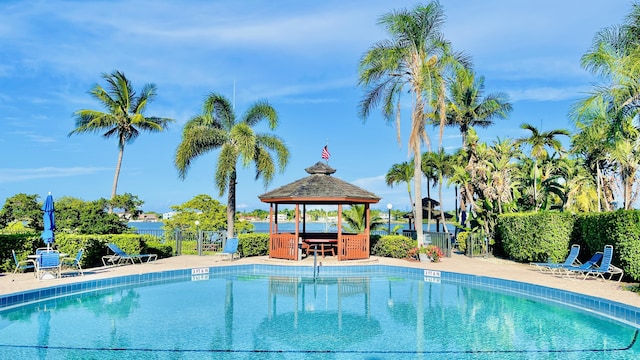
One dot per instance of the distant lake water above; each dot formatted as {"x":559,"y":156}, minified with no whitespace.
{"x":264,"y":226}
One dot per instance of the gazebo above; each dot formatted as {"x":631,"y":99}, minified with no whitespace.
{"x":435,"y":213}
{"x":319,"y":188}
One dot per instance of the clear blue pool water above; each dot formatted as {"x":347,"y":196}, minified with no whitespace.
{"x":250,"y":316}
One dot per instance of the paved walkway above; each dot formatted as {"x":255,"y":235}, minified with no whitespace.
{"x":490,"y":267}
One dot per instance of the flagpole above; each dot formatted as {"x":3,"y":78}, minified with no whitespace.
{"x":327,"y":147}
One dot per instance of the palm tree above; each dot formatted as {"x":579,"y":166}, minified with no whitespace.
{"x":411,"y":59}
{"x":467,"y":107}
{"x":441,"y":162}
{"x":539,"y":141}
{"x":430,"y":174}
{"x":217,"y":128}
{"x":614,"y":57}
{"x":124,"y":118}
{"x":401,"y":173}
{"x":355,"y":219}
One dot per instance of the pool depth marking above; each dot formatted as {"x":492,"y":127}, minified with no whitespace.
{"x":199,"y":274}
{"x":432,"y":276}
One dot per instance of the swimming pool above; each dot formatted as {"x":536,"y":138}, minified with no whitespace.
{"x":359,"y":312}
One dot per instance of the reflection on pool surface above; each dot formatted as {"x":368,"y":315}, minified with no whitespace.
{"x":357,"y":316}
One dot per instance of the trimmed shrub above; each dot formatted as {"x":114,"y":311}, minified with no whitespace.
{"x":23,"y":244}
{"x":461,"y":240}
{"x":394,"y":246}
{"x":95,"y":246}
{"x":537,"y":237}
{"x":619,"y":228}
{"x":253,"y":244}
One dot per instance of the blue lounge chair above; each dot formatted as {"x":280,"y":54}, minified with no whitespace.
{"x":48,"y":263}
{"x":571,"y":260}
{"x":74,"y":263}
{"x":120,"y":257}
{"x":587,"y":266}
{"x":22,"y":265}
{"x":230,"y":248}
{"x":605,"y":268}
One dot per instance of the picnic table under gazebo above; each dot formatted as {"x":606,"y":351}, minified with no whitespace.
{"x":319,"y":188}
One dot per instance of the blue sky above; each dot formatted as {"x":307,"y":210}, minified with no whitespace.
{"x":301,"y":56}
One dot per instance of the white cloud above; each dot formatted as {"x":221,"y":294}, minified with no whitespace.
{"x":16,"y":175}
{"x":546,"y":93}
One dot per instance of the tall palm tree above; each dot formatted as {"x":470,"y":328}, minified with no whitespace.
{"x":592,"y":145}
{"x":614,"y":57}
{"x":539,"y":142}
{"x":355,"y":219}
{"x":408,"y":61}
{"x":430,"y":174}
{"x":216,"y":128}
{"x":441,"y":162}
{"x":401,"y":173}
{"x":467,"y":106}
{"x":124,"y":118}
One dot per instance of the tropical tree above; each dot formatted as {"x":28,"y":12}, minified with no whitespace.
{"x":355,"y":219}
{"x":217,"y":128}
{"x":129,"y":203}
{"x":401,"y":173}
{"x":209,"y":212}
{"x":613,"y":58}
{"x":22,"y":208}
{"x":431,"y":176}
{"x":467,"y":106}
{"x":592,"y":145}
{"x":441,"y":162}
{"x":77,"y":216}
{"x":539,"y":142}
{"x":409,"y":61}
{"x":124,"y":117}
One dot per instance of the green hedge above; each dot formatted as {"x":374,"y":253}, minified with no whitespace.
{"x":621,"y":229}
{"x":394,"y":246}
{"x":548,"y":235}
{"x":253,"y":244}
{"x":23,"y":244}
{"x":95,"y":246}
{"x":538,"y":236}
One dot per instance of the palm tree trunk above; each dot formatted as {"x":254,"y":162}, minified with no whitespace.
{"x":599,"y":187}
{"x":114,"y":188}
{"x":231,"y":205}
{"x":429,"y":205}
{"x":442,"y":217}
{"x":413,"y":205}
{"x":417,"y":177}
{"x":535,"y":185}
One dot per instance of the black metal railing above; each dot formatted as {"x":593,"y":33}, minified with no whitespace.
{"x":442,"y":240}
{"x":478,"y":245}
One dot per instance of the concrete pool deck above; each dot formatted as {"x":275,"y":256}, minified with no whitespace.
{"x":489,"y":267}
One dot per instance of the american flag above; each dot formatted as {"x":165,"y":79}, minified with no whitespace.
{"x":325,"y":153}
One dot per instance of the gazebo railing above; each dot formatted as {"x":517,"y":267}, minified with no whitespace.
{"x":353,"y":247}
{"x":283,"y":246}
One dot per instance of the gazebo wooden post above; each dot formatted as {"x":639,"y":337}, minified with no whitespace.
{"x":304,"y":218}
{"x":367,"y":228}
{"x":297,"y":232}
{"x":340,"y":245}
{"x":270,"y":228}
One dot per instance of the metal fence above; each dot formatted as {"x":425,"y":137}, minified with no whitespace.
{"x":442,"y":240}
{"x":478,"y":245}
{"x":189,"y":242}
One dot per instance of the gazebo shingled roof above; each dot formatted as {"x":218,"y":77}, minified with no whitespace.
{"x":319,"y":188}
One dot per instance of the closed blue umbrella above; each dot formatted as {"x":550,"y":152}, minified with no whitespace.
{"x":49,"y":221}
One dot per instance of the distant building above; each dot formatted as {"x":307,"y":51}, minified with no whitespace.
{"x":148,"y":217}
{"x":168,"y":215}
